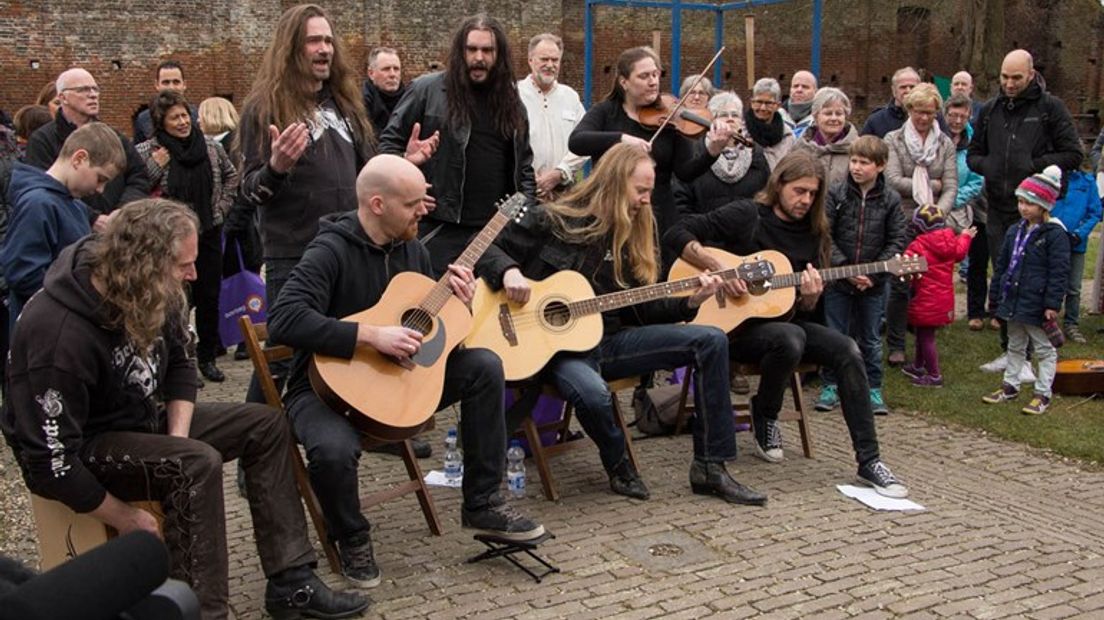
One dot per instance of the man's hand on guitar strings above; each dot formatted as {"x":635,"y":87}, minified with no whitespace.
{"x":710,"y":284}
{"x":516,"y":286}
{"x":391,"y":340}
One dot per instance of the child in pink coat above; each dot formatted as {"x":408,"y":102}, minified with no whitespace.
{"x":932,"y":303}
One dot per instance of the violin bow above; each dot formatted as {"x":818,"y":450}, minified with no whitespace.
{"x":682,"y":100}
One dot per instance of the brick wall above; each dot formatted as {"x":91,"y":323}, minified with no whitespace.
{"x":220,"y":42}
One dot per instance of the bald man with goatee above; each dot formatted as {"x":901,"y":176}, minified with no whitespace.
{"x":1019,"y":132}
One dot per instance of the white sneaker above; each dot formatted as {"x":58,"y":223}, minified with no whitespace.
{"x":997,"y":365}
{"x":1026,"y":374}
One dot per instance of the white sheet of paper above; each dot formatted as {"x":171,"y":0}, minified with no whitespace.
{"x":871,"y":498}
{"x":436,"y":478}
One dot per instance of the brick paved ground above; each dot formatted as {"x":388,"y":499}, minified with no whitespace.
{"x":1008,"y":532}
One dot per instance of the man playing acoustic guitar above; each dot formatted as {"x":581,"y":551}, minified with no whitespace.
{"x":344,"y":270}
{"x":788,"y":216}
{"x":604,"y":229}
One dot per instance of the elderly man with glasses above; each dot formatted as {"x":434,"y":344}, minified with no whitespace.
{"x":79,"y":98}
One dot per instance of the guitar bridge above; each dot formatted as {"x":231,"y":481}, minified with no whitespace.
{"x":506,"y":322}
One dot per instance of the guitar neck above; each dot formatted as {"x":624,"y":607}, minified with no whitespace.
{"x":441,"y":291}
{"x":633,"y":296}
{"x":788,"y":280}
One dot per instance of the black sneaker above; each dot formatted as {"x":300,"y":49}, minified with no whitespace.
{"x":502,"y":521}
{"x":311,"y":599}
{"x":625,"y":480}
{"x":358,"y":563}
{"x":876,"y":474}
{"x":768,"y":439}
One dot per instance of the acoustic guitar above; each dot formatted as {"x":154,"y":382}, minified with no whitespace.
{"x":774,"y":296}
{"x":1079,"y":376}
{"x":563,"y":314}
{"x":390,"y":398}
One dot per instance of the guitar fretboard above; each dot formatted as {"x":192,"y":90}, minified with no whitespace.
{"x":631,"y":297}
{"x":831,"y":273}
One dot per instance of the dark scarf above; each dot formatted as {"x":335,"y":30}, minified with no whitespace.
{"x":798,"y":111}
{"x":764,"y":134}
{"x":191,"y":179}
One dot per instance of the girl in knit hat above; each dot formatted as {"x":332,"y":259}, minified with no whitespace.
{"x":932,"y":303}
{"x":1029,"y":282}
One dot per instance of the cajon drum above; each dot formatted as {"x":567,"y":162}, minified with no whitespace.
{"x":63,"y":534}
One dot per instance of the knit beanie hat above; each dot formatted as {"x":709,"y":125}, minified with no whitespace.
{"x":1041,"y":188}
{"x":927,"y":218}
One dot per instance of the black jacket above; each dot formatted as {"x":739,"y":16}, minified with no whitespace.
{"x":380,"y":105}
{"x":708,"y":191}
{"x":130,"y":184}
{"x":71,"y":379}
{"x":884,"y":120}
{"x":425,"y":103}
{"x":865,"y":229}
{"x":342,"y":272}
{"x":1039,"y":282}
{"x":530,"y":246}
{"x":323,"y":181}
{"x":1017,"y":137}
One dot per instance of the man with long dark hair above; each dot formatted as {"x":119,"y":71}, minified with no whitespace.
{"x":484,"y":150}
{"x":788,"y":216}
{"x":102,"y":411}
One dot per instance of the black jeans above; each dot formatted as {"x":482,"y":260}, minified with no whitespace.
{"x":977,"y":281}
{"x":205,"y":293}
{"x":472,"y":376}
{"x":277,"y":272}
{"x":185,"y":474}
{"x":778,"y":347}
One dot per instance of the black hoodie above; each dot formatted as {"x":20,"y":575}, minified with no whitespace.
{"x":71,"y":378}
{"x":342,"y":272}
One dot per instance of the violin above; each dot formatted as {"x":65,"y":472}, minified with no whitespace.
{"x":690,"y":123}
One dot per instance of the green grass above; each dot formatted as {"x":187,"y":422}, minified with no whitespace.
{"x":1072,"y":427}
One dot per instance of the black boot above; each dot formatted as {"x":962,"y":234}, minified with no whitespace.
{"x":211,"y":372}
{"x":310,"y":598}
{"x":624,"y":480}
{"x":714,"y":479}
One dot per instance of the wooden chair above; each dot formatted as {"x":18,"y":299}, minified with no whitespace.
{"x":541,"y":454}
{"x":255,"y":334}
{"x":63,"y":534}
{"x":798,"y":413}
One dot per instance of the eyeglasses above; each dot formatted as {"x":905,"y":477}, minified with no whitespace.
{"x":84,"y":90}
{"x":760,"y":103}
{"x":726,"y":114}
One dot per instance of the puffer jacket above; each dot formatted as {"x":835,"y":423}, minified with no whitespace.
{"x":1039,"y":281}
{"x":832,"y":156}
{"x":944,"y":169}
{"x":932,"y":303}
{"x":1079,"y":210}
{"x":1017,"y":137}
{"x":865,"y":228}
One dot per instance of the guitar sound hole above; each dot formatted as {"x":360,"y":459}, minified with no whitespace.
{"x":418,"y":320}
{"x":556,"y":314}
{"x":758,"y":288}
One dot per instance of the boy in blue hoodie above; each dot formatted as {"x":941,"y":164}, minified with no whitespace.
{"x":1079,"y":211}
{"x":47,"y":214}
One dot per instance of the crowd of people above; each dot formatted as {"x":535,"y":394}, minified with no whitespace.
{"x":334,"y":185}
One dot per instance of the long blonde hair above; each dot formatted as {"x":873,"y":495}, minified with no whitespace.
{"x":133,"y":259}
{"x":602,"y":203}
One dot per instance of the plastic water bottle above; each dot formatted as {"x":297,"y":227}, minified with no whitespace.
{"x":454,"y":464}
{"x":515,"y":469}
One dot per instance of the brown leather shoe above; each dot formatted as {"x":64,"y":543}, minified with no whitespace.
{"x":976,"y":325}
{"x":896,"y":358}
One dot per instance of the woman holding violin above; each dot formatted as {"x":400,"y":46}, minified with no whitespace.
{"x":630,"y":115}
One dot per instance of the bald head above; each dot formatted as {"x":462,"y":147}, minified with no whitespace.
{"x":78,"y":96}
{"x":962,"y":83}
{"x":803,"y":86}
{"x":391,"y":198}
{"x":1017,"y":72}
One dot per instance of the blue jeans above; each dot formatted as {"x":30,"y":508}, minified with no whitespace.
{"x":581,"y":379}
{"x":472,"y":376}
{"x":1073,"y":290}
{"x":777,"y":347}
{"x":858,"y":316}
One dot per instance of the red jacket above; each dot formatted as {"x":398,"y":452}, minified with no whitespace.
{"x":933,"y":301}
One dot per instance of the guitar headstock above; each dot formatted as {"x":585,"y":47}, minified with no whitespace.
{"x":514,"y":207}
{"x":755,"y":270}
{"x":907,"y":266}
